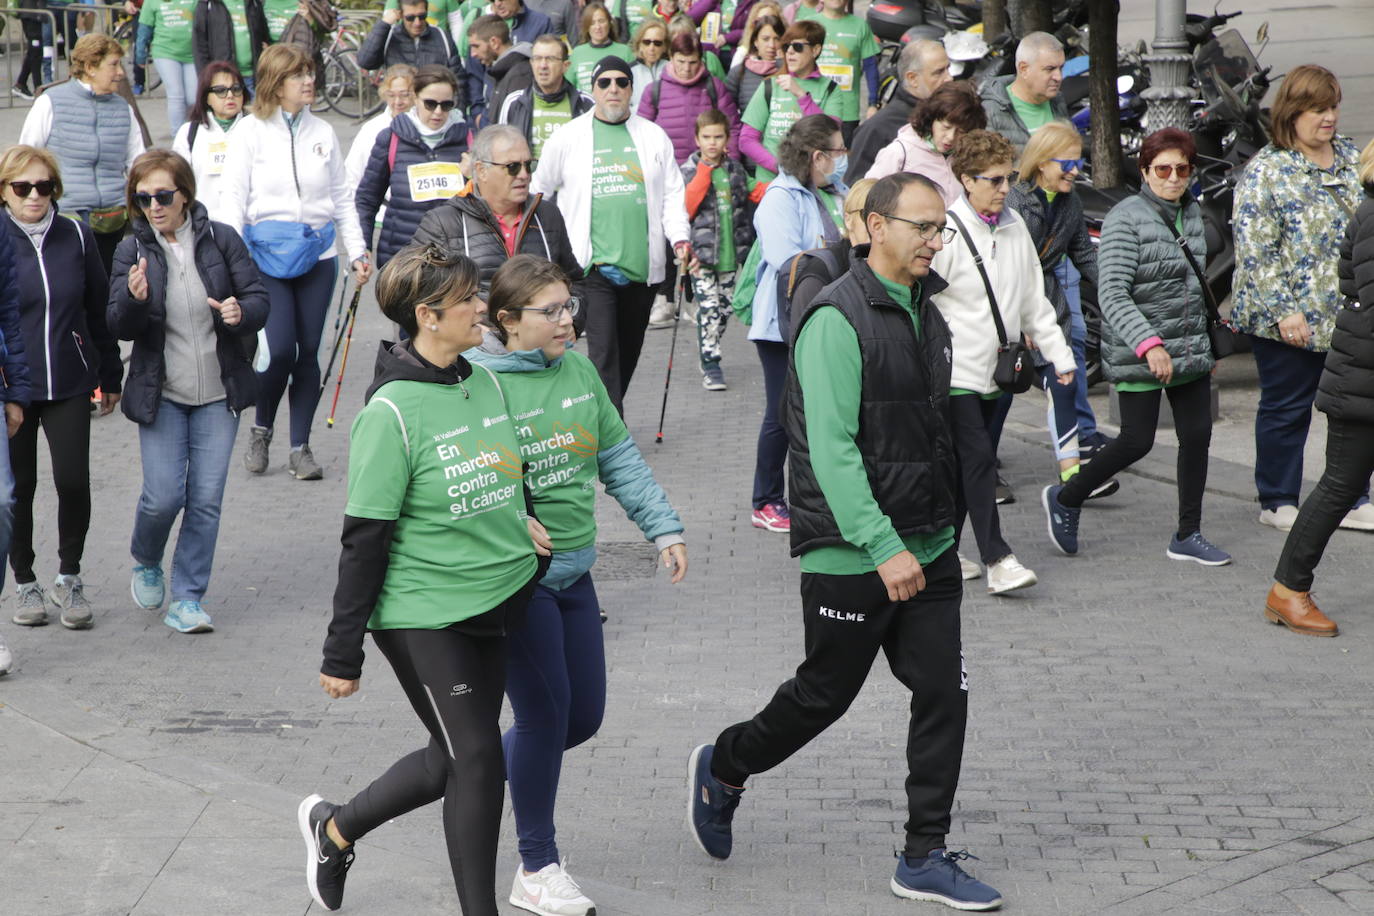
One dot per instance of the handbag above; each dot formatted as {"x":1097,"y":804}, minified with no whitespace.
{"x":1225,"y":339}
{"x":284,"y":249}
{"x":1014,"y":371}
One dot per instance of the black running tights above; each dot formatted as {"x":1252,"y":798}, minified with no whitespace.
{"x":455,"y":682}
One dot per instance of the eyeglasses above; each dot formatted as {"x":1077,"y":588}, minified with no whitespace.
{"x":1001,"y":181}
{"x":416,"y":17}
{"x":1070,"y":165}
{"x":445,"y":105}
{"x":555,"y":311}
{"x":798,"y":46}
{"x":25,"y":188}
{"x":306,"y":77}
{"x":834,"y":151}
{"x":604,"y":82}
{"x":926,"y":231}
{"x":655,"y":42}
{"x":541,"y":59}
{"x":513,"y":168}
{"x":1165,"y":171}
{"x":222,"y":91}
{"x":163,"y":198}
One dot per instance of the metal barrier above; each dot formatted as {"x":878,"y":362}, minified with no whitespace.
{"x":16,"y":46}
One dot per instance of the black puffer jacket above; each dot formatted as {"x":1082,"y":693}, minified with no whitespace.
{"x":1057,"y":229}
{"x":226,"y":269}
{"x":465,"y":225}
{"x":388,"y":45}
{"x":403,"y":212}
{"x":1346,"y":390}
{"x":706,"y":221}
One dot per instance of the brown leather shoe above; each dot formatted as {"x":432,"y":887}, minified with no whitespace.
{"x":1298,"y":613}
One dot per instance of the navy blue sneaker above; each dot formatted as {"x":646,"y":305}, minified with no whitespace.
{"x":938,"y":878}
{"x":1197,"y":548}
{"x":1089,"y":447}
{"x":1061,"y":520}
{"x":710,"y":806}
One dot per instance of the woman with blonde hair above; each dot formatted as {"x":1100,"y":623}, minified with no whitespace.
{"x":1292,"y":207}
{"x":95,"y":135}
{"x":284,"y":190}
{"x":1053,"y":213}
{"x":650,"y":46}
{"x":1346,"y":395}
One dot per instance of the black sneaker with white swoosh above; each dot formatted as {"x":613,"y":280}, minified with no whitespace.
{"x":326,"y":866}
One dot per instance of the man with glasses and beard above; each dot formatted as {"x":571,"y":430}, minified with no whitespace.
{"x":621,"y":193}
{"x":872,"y":504}
{"x":495,"y":217}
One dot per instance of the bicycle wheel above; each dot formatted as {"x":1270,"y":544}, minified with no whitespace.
{"x":349,"y":90}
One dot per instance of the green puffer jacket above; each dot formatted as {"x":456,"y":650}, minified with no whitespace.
{"x":1147,"y":289}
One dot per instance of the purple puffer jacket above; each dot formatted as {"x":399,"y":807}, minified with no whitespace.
{"x":678,"y":106}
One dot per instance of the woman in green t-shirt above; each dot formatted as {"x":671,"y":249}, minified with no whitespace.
{"x":849,"y":48}
{"x":172,"y":53}
{"x":571,"y":436}
{"x":599,"y":37}
{"x":796,"y":91}
{"x":438,"y":564}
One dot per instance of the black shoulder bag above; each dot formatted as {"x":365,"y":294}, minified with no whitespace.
{"x":1225,"y":339}
{"x":1015,"y":370}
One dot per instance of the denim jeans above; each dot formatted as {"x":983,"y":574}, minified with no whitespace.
{"x":185,"y":461}
{"x":6,"y":509}
{"x":180,"y":82}
{"x":1078,"y":340}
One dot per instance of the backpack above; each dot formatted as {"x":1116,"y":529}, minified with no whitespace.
{"x":710,"y":90}
{"x":787,"y":283}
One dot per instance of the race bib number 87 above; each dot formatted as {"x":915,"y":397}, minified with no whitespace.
{"x":434,"y":180}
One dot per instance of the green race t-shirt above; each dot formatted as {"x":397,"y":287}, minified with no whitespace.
{"x":848,"y":43}
{"x":635,"y":12}
{"x":620,"y":202}
{"x":278,"y":13}
{"x":445,"y":466}
{"x":545,"y":118}
{"x":585,"y":57}
{"x":1156,"y":385}
{"x":807,"y":12}
{"x":726,"y":256}
{"x":563,"y":418}
{"x":772,"y":112}
{"x":834,"y":206}
{"x":171,"y":22}
{"x":1033,"y":116}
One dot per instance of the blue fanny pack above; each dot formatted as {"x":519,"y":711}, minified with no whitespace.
{"x":284,"y":249}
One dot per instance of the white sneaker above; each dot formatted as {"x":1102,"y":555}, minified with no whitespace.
{"x":1360,"y":518}
{"x":969,"y":569}
{"x":1007,"y":575}
{"x":1281,"y":518}
{"x":6,"y":659}
{"x":551,"y":891}
{"x":661,"y":314}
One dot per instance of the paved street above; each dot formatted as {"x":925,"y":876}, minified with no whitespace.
{"x":1141,"y":741}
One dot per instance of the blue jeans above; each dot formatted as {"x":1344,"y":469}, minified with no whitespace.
{"x":556,"y":681}
{"x":180,"y":82}
{"x":1078,"y":336}
{"x":185,"y":461}
{"x":6,"y":509}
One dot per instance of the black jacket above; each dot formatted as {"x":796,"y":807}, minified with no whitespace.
{"x":403,"y":214}
{"x":62,"y":290}
{"x":519,"y":107}
{"x":904,"y":428}
{"x":212,"y":32}
{"x":466,"y":226}
{"x":391,"y":44}
{"x":507,"y":76}
{"x":226,"y":269}
{"x":878,"y":131}
{"x":32,"y":23}
{"x":1346,"y":389}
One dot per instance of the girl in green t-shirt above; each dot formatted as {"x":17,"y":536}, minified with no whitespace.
{"x":849,"y":47}
{"x":171,"y":52}
{"x":570,"y":437}
{"x":438,"y":562}
{"x":797,"y":90}
{"x":598,"y":37}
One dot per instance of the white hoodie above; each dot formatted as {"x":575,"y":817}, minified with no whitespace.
{"x":271,"y":174}
{"x":1017,"y":281}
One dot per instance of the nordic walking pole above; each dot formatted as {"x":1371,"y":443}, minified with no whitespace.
{"x":339,"y":333}
{"x":679,"y":295}
{"x":343,"y":365}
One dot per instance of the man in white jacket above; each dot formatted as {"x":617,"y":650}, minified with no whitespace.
{"x":621,"y":194}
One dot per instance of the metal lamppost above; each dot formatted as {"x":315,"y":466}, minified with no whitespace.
{"x":1169,"y":98}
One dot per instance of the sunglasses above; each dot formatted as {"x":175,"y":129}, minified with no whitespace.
{"x":513,"y":168}
{"x":222,"y":91}
{"x":163,"y":198}
{"x":1164,"y":171}
{"x":555,"y":311}
{"x":656,"y":42}
{"x":416,"y":17}
{"x":998,"y":182}
{"x":604,"y":82}
{"x":1070,"y":165}
{"x":445,"y":105}
{"x":798,"y":46}
{"x":25,"y":188}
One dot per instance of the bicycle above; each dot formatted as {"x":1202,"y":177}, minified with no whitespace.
{"x":348,"y":89}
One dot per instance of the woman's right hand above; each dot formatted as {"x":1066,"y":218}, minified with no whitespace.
{"x":138,"y":280}
{"x":788,"y":83}
{"x":338,"y":687}
{"x":1160,"y":364}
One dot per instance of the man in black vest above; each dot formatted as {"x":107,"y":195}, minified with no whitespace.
{"x":872,"y":488}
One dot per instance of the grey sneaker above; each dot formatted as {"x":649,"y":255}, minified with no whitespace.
{"x":33,"y":606}
{"x":713,"y":377}
{"x":68,"y":596}
{"x":302,"y":464}
{"x":256,"y":458}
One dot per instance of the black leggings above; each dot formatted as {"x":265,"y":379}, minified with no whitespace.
{"x":455,"y":682}
{"x":974,"y":421}
{"x":1192,"y":407}
{"x":67,"y":425}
